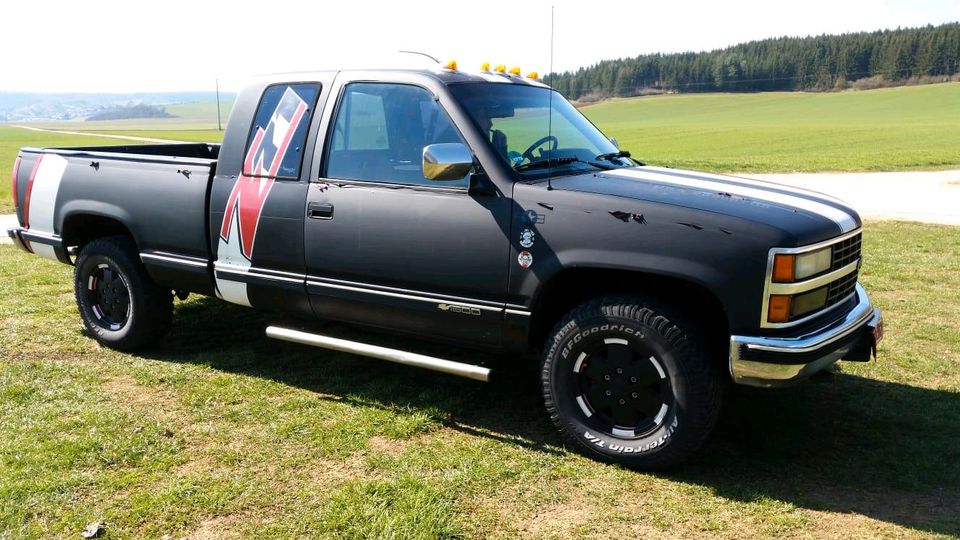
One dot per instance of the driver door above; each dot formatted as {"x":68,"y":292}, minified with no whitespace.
{"x":387,"y":247}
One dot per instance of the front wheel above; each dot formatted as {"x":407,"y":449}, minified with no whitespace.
{"x":626,"y":381}
{"x":120,"y":305}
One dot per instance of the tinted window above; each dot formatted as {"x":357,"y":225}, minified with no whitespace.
{"x":380,"y":133}
{"x":535,"y":130}
{"x":275,"y":145}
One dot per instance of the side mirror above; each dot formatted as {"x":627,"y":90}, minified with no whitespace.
{"x":613,"y":141}
{"x":446,"y":161}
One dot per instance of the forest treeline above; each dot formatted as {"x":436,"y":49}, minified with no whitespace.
{"x":819,"y":63}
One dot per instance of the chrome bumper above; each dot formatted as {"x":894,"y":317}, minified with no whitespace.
{"x":777,"y":361}
{"x":14,"y":235}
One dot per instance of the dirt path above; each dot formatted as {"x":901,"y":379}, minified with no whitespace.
{"x":927,"y":196}
{"x":106,"y":136}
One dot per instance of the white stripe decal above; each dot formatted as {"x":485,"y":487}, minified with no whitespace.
{"x":43,"y":200}
{"x":844,"y":220}
{"x":43,"y":197}
{"x":755,"y":183}
{"x":230,"y":257}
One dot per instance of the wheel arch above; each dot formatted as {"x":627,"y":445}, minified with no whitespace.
{"x":573,"y":286}
{"x":81,"y":227}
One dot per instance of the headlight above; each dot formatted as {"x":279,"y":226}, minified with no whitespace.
{"x":783,"y":307}
{"x":790,"y":268}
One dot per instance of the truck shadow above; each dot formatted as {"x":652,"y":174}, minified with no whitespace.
{"x":839,"y":443}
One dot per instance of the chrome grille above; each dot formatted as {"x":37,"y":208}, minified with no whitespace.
{"x":846,"y":252}
{"x":844,"y":262}
{"x":840,"y":289}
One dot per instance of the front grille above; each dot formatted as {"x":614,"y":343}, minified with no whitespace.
{"x":845,"y":252}
{"x":840,"y":289}
{"x":809,"y":293}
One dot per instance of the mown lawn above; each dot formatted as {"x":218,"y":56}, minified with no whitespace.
{"x":877,"y":130}
{"x":12,"y":139}
{"x":218,"y":431}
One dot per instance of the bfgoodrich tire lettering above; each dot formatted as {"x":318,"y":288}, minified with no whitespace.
{"x":119,"y":304}
{"x":628,"y":381}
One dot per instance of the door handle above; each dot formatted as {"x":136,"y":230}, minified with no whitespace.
{"x":320,"y":211}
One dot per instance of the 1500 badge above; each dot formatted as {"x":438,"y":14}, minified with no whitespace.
{"x":466,"y":310}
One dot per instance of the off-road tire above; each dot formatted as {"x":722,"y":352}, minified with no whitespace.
{"x":650,"y":344}
{"x":108,"y":271}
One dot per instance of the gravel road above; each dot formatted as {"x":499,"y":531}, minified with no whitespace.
{"x":927,"y":196}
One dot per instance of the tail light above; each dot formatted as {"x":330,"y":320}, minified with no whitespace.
{"x":16,"y":169}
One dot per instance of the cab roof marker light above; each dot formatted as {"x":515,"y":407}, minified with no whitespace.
{"x":485,"y":67}
{"x":533,"y":75}
{"x":451,"y":65}
{"x":500,"y":68}
{"x":515,"y":71}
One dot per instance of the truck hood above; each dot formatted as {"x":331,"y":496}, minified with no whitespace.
{"x":807,"y":215}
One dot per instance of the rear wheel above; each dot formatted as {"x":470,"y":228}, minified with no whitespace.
{"x":120,"y":305}
{"x":627,"y":381}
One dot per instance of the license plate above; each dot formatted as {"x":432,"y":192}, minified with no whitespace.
{"x":876,"y":336}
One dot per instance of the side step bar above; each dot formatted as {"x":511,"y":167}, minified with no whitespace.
{"x":469,"y":371}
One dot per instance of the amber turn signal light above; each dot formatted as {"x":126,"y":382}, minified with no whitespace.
{"x":778,"y":311}
{"x":783,"y":269}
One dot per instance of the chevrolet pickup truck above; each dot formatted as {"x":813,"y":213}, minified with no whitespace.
{"x":481,"y":210}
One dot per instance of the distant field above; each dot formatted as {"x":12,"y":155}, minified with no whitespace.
{"x":12,"y":139}
{"x":187,"y":117}
{"x":878,"y":130}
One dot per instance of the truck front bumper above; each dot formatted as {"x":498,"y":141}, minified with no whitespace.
{"x":778,"y":361}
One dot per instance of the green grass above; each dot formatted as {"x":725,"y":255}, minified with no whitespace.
{"x":218,"y":430}
{"x":202,"y":110}
{"x":13,"y":139}
{"x":194,"y":135}
{"x":878,"y":130}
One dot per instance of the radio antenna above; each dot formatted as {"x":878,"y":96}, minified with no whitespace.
{"x":550,"y":109}
{"x":421,"y":54}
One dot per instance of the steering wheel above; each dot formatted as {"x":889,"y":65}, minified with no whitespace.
{"x":528,"y":153}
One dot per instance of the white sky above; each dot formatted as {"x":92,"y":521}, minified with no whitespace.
{"x":125,"y":45}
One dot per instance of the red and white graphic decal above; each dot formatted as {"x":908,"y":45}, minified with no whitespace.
{"x":40,"y":200}
{"x":260,"y":166}
{"x":28,"y":195}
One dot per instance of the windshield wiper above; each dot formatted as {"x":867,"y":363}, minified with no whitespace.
{"x":613,"y":155}
{"x":562,"y":160}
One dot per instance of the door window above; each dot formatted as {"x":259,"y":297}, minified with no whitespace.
{"x":275,"y":145}
{"x":380,"y":132}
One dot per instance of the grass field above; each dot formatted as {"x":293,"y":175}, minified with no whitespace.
{"x":888,"y":129}
{"x":876,"y":130}
{"x":12,"y":139}
{"x":218,"y":431}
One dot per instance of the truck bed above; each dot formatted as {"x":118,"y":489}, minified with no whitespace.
{"x":175,"y":150}
{"x":157,"y":192}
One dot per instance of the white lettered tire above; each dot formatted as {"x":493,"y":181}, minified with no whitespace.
{"x":628,"y":381}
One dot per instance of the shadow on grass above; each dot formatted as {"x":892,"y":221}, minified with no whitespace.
{"x":839,"y":443}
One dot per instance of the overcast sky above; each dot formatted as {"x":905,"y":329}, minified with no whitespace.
{"x":124,"y":45}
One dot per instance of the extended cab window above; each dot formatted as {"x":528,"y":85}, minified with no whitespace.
{"x":380,"y":132}
{"x":275,"y":145}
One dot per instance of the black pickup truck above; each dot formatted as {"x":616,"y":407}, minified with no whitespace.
{"x":481,"y":210}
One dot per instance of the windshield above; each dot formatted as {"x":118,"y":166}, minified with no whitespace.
{"x":516,"y":120}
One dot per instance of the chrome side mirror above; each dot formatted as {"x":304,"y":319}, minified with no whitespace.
{"x":446,"y":161}
{"x":613,"y":141}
